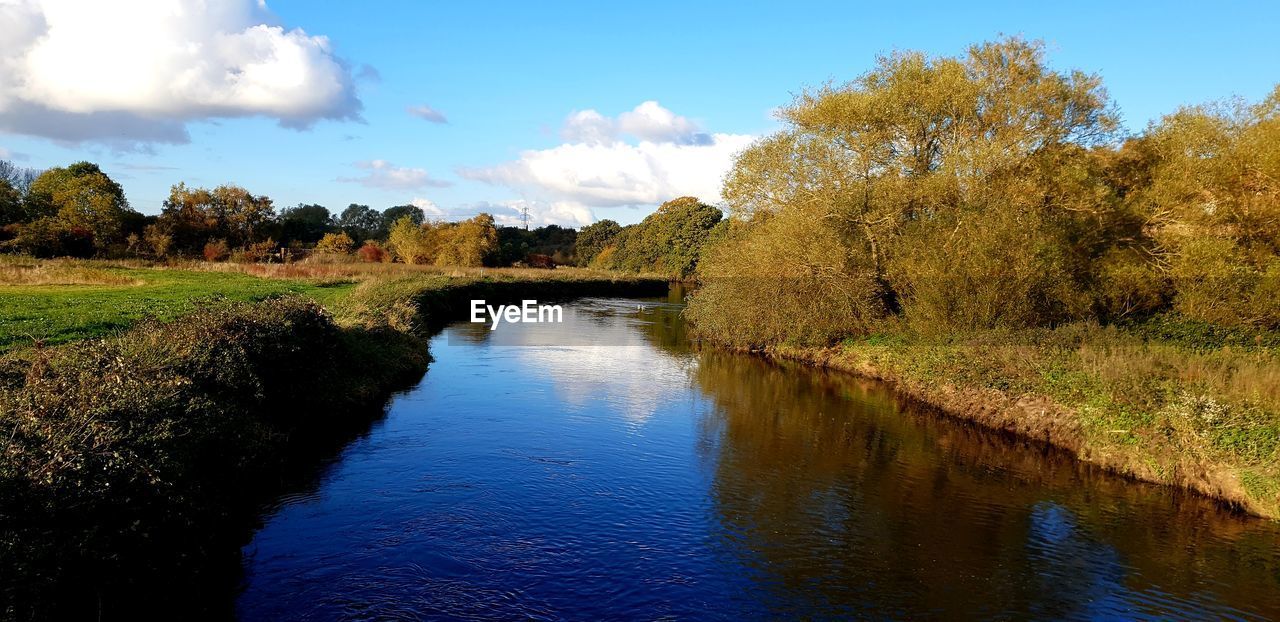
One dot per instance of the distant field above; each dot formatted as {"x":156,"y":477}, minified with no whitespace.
{"x":59,"y":301}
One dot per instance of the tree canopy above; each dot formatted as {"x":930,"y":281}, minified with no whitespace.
{"x":990,"y":191}
{"x":668,"y":241}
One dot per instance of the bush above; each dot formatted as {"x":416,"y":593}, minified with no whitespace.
{"x":48,"y":237}
{"x":259,"y":251}
{"x":216,"y":250}
{"x":130,"y":461}
{"x":372,"y":252}
{"x":340,"y":243}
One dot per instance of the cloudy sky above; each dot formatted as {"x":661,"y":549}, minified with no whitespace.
{"x":576,"y":110}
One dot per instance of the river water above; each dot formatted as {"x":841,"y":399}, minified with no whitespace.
{"x":640,"y":478}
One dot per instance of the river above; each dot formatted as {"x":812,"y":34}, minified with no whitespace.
{"x":603,"y":468}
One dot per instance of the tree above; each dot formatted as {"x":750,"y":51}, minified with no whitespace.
{"x":305,"y":223}
{"x":10,"y":203}
{"x":243,"y":214}
{"x":14,"y":183}
{"x":517,"y":243}
{"x":1212,"y":205}
{"x":467,"y":243}
{"x":668,"y":241}
{"x":409,"y":241}
{"x":80,"y":198}
{"x":593,"y":238}
{"x":362,"y":223}
{"x":191,"y":217}
{"x":393,"y":214}
{"x":959,"y":192}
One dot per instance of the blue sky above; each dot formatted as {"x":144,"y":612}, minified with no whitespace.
{"x":506,"y":76}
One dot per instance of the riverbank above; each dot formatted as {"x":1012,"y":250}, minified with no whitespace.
{"x":1142,"y":402}
{"x":132,"y":465}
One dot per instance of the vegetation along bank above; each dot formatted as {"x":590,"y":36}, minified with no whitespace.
{"x":132,"y":463}
{"x":978,"y":230}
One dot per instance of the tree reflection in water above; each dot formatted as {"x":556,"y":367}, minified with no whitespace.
{"x":842,"y":499}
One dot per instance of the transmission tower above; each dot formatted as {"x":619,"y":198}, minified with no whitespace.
{"x":524,"y":216}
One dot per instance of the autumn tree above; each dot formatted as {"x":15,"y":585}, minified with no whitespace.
{"x":191,"y":217}
{"x":338,"y":243}
{"x":77,"y":202}
{"x":1211,"y":201}
{"x":467,"y":243}
{"x":409,"y":241}
{"x":956,"y":191}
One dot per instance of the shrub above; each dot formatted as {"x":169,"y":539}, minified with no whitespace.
{"x":216,"y":250}
{"x":132,"y":460}
{"x":49,"y":237}
{"x":258,"y":251}
{"x":335,"y":243}
{"x":159,"y":241}
{"x":372,"y":252}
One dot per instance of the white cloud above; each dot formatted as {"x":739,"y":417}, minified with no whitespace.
{"x":563,"y":213}
{"x":618,"y":174}
{"x":669,"y":156}
{"x":131,"y":73}
{"x":428,"y":207}
{"x":387,"y":176}
{"x":590,"y":127}
{"x":649,"y":121}
{"x":427,"y":113}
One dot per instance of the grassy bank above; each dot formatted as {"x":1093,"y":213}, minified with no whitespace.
{"x":132,"y":464}
{"x":1168,"y":402}
{"x":60,"y":301}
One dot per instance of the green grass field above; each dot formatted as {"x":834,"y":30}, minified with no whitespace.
{"x":57,"y":313}
{"x":60,"y":301}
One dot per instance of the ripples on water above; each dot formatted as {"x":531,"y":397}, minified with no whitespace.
{"x":641,"y":479}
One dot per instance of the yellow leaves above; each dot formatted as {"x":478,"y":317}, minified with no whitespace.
{"x":465,"y":243}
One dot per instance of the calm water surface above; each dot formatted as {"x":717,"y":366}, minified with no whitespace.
{"x":640,"y":479}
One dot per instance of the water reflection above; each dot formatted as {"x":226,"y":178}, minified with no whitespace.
{"x":653,"y":480}
{"x":845,"y":501}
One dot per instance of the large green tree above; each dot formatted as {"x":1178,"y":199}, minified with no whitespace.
{"x":10,"y":203}
{"x":393,"y":214}
{"x":668,"y":241}
{"x":594,"y":238}
{"x":305,"y":223}
{"x":79,"y":198}
{"x":361,"y":222}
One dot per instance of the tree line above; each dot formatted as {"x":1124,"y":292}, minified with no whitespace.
{"x":988,"y":191}
{"x":79,"y":211}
